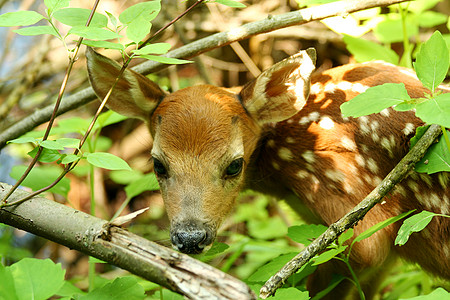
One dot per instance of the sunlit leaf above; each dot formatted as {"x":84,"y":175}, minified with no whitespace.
{"x":375,"y":99}
{"x":107,"y":161}
{"x":432,"y":61}
{"x":20,"y":18}
{"x":37,"y":30}
{"x":146,"y":10}
{"x":364,"y":50}
{"x":76,"y":17}
{"x":413,"y":224}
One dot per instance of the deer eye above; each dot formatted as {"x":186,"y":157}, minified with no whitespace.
{"x":235,"y":167}
{"x":159,"y":167}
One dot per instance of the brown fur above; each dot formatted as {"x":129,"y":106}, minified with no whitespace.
{"x":329,"y":163}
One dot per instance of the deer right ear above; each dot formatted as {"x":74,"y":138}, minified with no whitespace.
{"x":134,"y":94}
{"x":280,"y":91}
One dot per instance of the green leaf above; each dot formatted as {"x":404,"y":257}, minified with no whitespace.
{"x":369,"y":232}
{"x":364,"y":50}
{"x":231,"y":3}
{"x":20,"y":18}
{"x":437,"y":294}
{"x":54,"y":5}
{"x":42,"y":176}
{"x":437,"y":158}
{"x":7,"y":288}
{"x":145,"y":183}
{"x":54,"y":145}
{"x":36,"y":30}
{"x":413,"y":224}
{"x":121,"y":288}
{"x":147,"y":10}
{"x":69,"y":158}
{"x":69,"y":290}
{"x":47,"y":155}
{"x":36,"y":278}
{"x":112,"y":18}
{"x":24,"y":140}
{"x":165,"y":60}
{"x":431,"y":18}
{"x":375,"y":99}
{"x":345,"y":236}
{"x":138,"y":29}
{"x":291,"y":293}
{"x":125,"y":176}
{"x":108,"y":118}
{"x":93,"y":33}
{"x":156,"y":48}
{"x":77,"y":17}
{"x":217,"y":248}
{"x":435,"y":110}
{"x":265,"y":272}
{"x":432,"y":61}
{"x":107,"y":161}
{"x":69,"y":142}
{"x":328,"y":255}
{"x":104,"y":44}
{"x":391,"y":30}
{"x":305,"y":234}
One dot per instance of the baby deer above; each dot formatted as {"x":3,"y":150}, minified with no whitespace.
{"x":283,"y":134}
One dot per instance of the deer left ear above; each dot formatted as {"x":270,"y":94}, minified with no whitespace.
{"x":281,"y":91}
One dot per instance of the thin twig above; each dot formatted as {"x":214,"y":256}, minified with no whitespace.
{"x":400,"y":171}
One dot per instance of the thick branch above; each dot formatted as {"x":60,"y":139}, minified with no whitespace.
{"x":400,"y":171}
{"x":96,"y":237}
{"x":203,"y":45}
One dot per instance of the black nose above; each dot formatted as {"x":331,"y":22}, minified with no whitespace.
{"x":190,"y":239}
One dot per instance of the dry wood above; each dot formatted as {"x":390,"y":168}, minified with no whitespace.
{"x":98,"y":238}
{"x":217,"y":40}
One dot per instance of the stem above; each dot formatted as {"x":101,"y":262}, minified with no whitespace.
{"x":355,"y":279}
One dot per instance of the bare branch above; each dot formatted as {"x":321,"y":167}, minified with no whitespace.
{"x":95,"y":237}
{"x":397,"y":174}
{"x":203,"y":45}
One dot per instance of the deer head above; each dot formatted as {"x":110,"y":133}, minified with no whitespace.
{"x":204,"y":136}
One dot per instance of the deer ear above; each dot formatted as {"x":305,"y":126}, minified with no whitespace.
{"x":134,"y":94}
{"x":281,"y":91}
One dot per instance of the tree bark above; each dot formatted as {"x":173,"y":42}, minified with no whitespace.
{"x":98,"y":238}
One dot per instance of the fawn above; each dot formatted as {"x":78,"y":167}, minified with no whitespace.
{"x":283,"y":134}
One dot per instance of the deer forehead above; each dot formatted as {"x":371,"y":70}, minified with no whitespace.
{"x":198,"y":123}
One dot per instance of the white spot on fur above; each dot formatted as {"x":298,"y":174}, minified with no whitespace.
{"x":372,"y":165}
{"x":409,"y":128}
{"x":360,"y":160}
{"x":385,"y":112}
{"x":414,"y":186}
{"x":302,"y":174}
{"x":285,"y":154}
{"x":360,"y":88}
{"x":326,"y":123}
{"x":314,"y":116}
{"x":335,"y":175}
{"x":329,"y":88}
{"x":344,"y":85}
{"x":275,"y":165}
{"x":271,"y":143}
{"x":309,"y":156}
{"x":316,"y":88}
{"x":348,"y":143}
{"x":290,"y":140}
